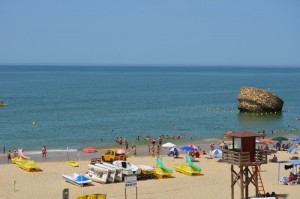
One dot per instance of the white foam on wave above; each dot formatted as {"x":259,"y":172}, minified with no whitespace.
{"x":51,"y":151}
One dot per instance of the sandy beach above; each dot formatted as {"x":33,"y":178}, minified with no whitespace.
{"x":214,"y":183}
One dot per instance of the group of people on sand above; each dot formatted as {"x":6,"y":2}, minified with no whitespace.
{"x":9,"y":155}
{"x":154,"y":149}
{"x":293,"y":178}
{"x":15,"y":154}
{"x":162,"y":137}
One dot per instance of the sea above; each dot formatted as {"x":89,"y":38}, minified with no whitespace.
{"x":65,"y":106}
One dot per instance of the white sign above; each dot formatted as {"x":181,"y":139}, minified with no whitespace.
{"x":130,"y":181}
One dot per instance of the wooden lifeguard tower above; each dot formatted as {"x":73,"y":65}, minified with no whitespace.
{"x":244,"y":157}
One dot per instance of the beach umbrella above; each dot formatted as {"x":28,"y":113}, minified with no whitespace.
{"x":186,"y":148}
{"x":280,"y":139}
{"x":216,"y":152}
{"x":258,"y":142}
{"x":174,"y":149}
{"x":266,"y":141}
{"x":168,"y":145}
{"x":227,"y":134}
{"x":296,"y":139}
{"x":89,"y":149}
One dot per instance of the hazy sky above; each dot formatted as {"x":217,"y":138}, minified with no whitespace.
{"x":192,"y":32}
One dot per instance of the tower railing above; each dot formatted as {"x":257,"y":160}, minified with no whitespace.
{"x":236,"y":157}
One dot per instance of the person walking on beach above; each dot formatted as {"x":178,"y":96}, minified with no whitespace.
{"x":8,"y":157}
{"x":3,"y":150}
{"x":44,"y":152}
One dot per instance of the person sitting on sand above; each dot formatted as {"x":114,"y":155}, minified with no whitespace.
{"x":274,"y":159}
{"x":197,"y":154}
{"x":292,"y":177}
{"x":176,"y":153}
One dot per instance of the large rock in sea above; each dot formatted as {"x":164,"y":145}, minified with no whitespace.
{"x":257,"y":100}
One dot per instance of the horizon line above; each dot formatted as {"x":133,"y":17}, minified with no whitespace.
{"x":149,"y":65}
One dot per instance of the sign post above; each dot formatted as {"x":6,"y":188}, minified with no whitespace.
{"x":131,"y":181}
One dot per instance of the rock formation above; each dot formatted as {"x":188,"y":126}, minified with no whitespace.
{"x":257,"y":100}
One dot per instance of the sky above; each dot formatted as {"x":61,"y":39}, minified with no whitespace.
{"x":150,"y":32}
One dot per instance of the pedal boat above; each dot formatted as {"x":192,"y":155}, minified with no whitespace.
{"x":97,"y":174}
{"x":73,"y":163}
{"x":28,"y":165}
{"x":77,"y":179}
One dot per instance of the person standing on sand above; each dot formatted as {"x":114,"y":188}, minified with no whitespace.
{"x":3,"y":150}
{"x":44,"y":152}
{"x":153,"y":150}
{"x":126,"y":144}
{"x":134,"y":150}
{"x":15,"y":154}
{"x":160,"y":140}
{"x":157,"y":151}
{"x":8,"y":157}
{"x":149,"y":149}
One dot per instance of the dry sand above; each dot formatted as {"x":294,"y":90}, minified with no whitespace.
{"x":214,"y":183}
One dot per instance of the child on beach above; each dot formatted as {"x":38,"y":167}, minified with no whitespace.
{"x":15,"y":154}
{"x":8,"y":157}
{"x":44,"y":152}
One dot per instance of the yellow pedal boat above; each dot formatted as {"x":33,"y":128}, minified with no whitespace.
{"x":161,"y":171}
{"x":28,"y":165}
{"x":187,"y":170}
{"x":16,"y":159}
{"x":73,"y":163}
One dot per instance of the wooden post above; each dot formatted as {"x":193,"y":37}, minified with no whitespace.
{"x":241,"y":182}
{"x":247,"y":182}
{"x":232,"y":183}
{"x":125,"y":194}
{"x":136,"y":193}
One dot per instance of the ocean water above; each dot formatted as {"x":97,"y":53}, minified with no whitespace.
{"x":77,"y":106}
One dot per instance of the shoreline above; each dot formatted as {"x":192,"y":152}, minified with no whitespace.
{"x":74,"y":154}
{"x":141,"y":147}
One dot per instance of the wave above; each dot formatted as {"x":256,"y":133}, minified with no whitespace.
{"x":52,"y":151}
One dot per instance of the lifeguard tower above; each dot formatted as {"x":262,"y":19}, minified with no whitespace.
{"x":246,"y":156}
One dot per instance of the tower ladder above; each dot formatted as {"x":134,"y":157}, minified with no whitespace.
{"x":258,"y":180}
